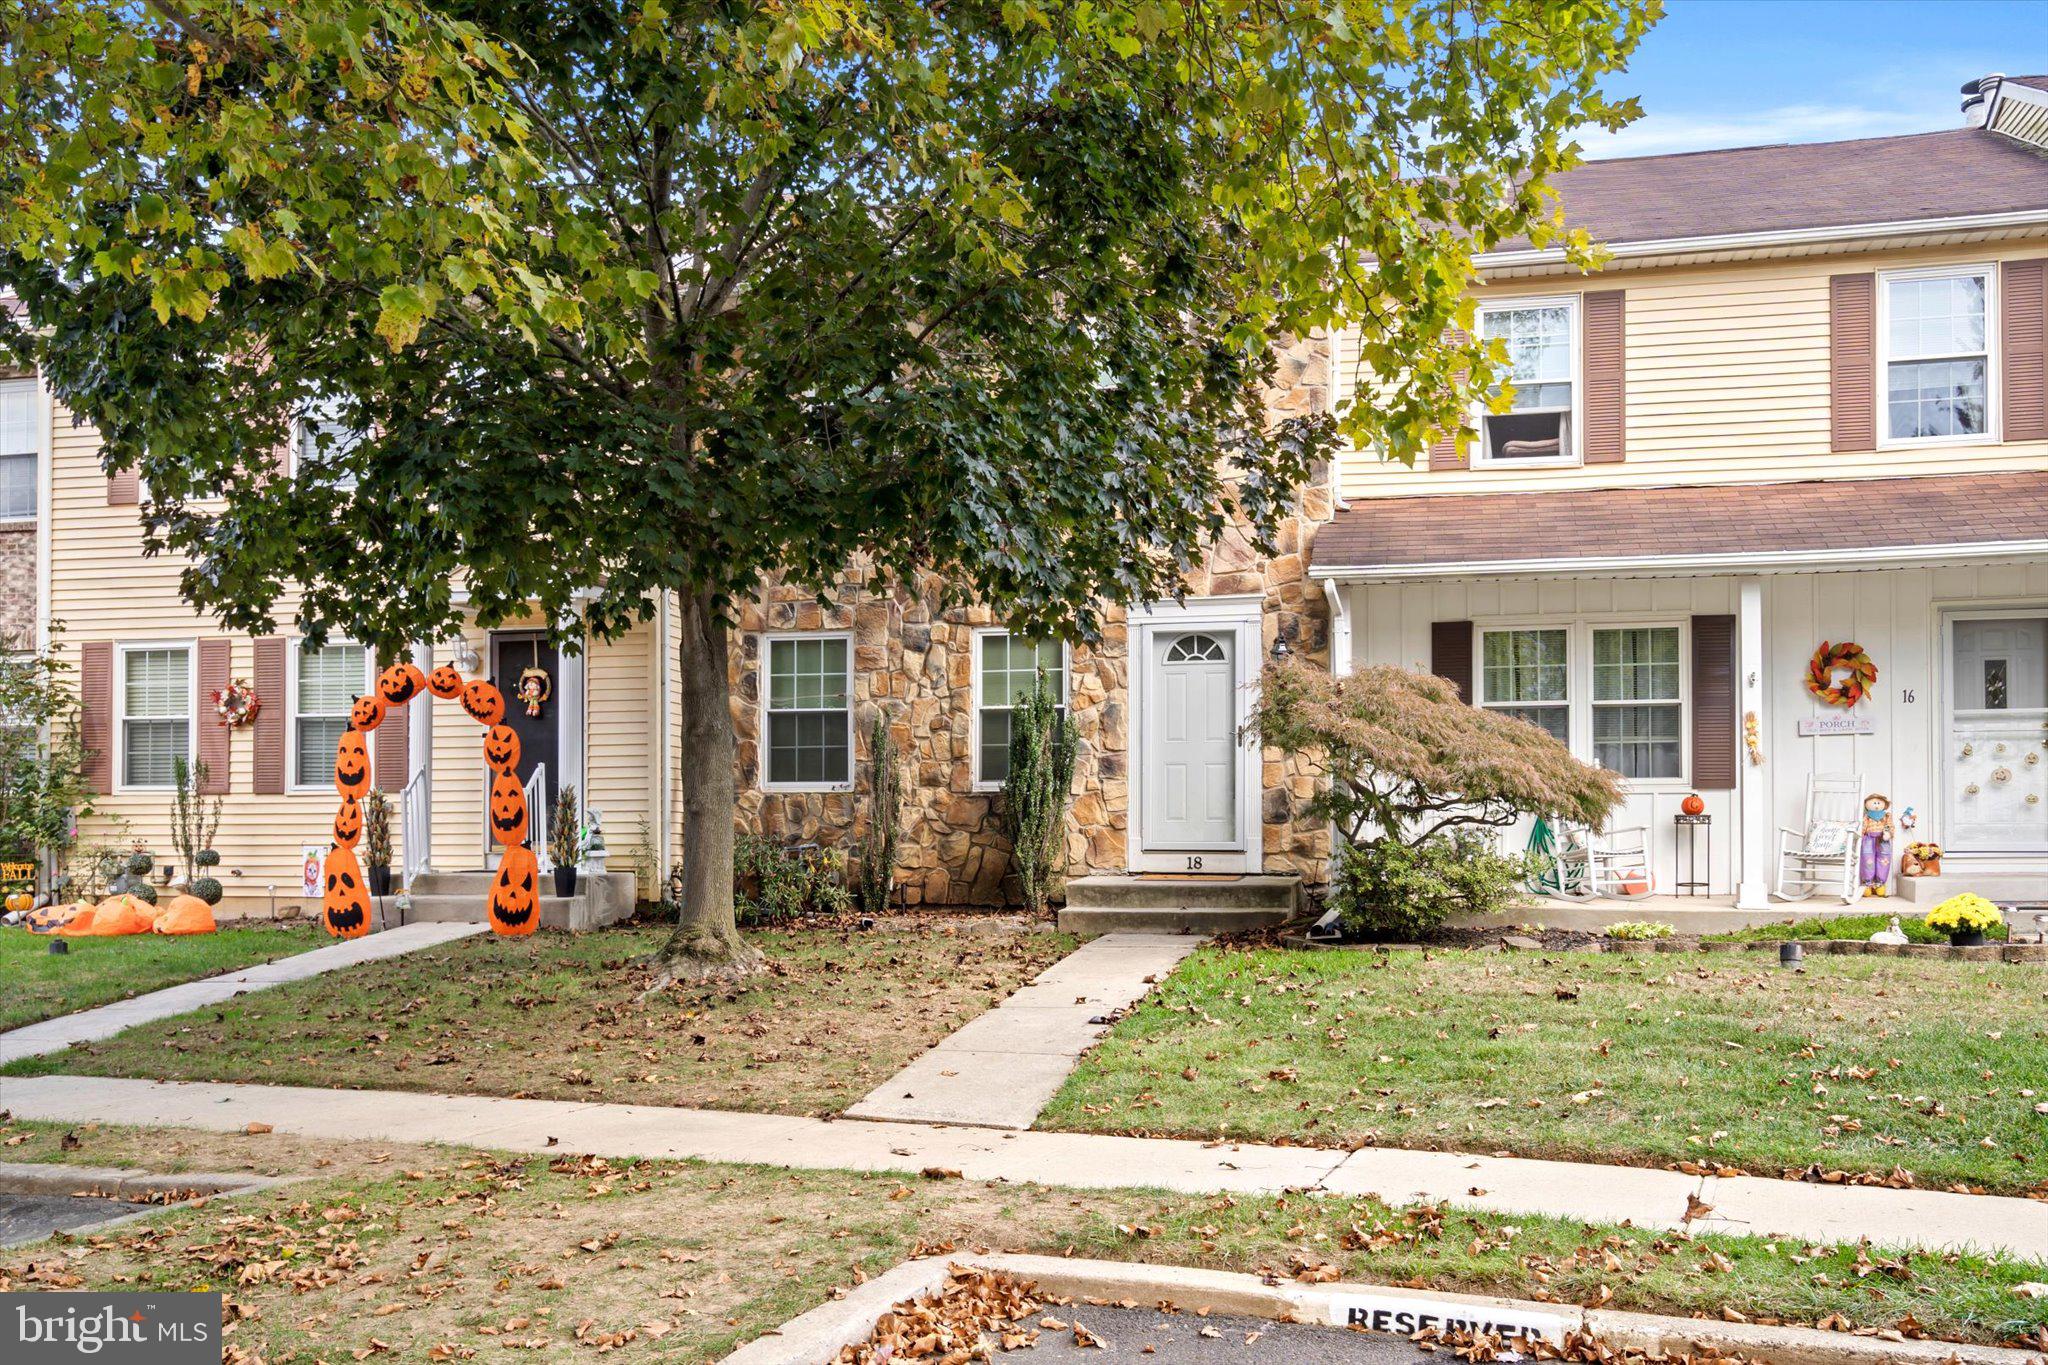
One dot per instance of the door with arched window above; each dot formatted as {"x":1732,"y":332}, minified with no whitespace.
{"x":1191,"y":753}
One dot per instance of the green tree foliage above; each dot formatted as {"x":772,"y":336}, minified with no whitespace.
{"x":42,"y":762}
{"x":1038,"y":790}
{"x":627,"y":295}
{"x":1385,"y":891}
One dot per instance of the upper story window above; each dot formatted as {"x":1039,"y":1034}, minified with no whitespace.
{"x":1935,"y":360}
{"x":18,"y":446}
{"x":155,"y":716}
{"x":320,"y":438}
{"x":810,"y":711}
{"x":329,"y":679}
{"x":1541,"y":337}
{"x":1007,"y":669}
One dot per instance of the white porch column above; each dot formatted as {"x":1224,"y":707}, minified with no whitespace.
{"x":419,"y":753}
{"x":1752,"y":782}
{"x":569,"y":722}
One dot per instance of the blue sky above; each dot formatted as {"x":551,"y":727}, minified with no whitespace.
{"x":1736,"y":73}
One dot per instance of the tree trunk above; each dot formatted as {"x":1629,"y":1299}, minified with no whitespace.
{"x":706,"y":944}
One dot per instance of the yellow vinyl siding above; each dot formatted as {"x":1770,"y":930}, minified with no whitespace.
{"x":621,"y":752}
{"x":1726,"y":382}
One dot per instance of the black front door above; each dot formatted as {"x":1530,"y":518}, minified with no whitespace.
{"x":526,"y":669}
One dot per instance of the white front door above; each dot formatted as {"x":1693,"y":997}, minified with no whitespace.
{"x":1998,"y":735}
{"x":1191,"y":750}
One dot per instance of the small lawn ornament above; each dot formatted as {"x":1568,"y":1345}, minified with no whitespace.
{"x":1874,"y":856}
{"x":1890,"y":934}
{"x":1920,"y":859}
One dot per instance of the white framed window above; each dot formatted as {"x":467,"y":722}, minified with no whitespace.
{"x":323,"y":684}
{"x":808,"y":712}
{"x":154,"y":705}
{"x":1541,"y":425}
{"x":1639,"y":701}
{"x":20,"y":442}
{"x":1616,"y":692}
{"x":1526,"y":673}
{"x":321,"y":440}
{"x":1006,"y":671}
{"x":1936,"y":337}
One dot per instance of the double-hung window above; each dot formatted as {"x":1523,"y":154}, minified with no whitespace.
{"x":1541,"y":370}
{"x":329,"y":679}
{"x":1936,"y":333}
{"x":155,"y":713}
{"x":19,"y":440}
{"x":1638,"y":708}
{"x":1526,"y":674}
{"x":809,"y":711}
{"x":1007,"y":669}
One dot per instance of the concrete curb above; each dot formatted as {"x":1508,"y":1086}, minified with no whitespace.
{"x":819,"y":1334}
{"x":55,"y":1178}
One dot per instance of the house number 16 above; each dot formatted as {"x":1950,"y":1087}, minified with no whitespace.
{"x":1906,"y":695}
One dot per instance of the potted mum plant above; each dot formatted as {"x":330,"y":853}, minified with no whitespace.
{"x":377,"y":841}
{"x":565,"y":842}
{"x":1966,"y":919}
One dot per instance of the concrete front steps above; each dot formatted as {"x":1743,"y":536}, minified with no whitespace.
{"x":1137,"y":903}
{"x":459,"y":898}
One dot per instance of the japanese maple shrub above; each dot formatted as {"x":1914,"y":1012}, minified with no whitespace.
{"x":1414,"y":779}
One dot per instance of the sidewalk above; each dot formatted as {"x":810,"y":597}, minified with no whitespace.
{"x":1007,"y":1064}
{"x":89,"y":1026}
{"x":1647,"y":1198}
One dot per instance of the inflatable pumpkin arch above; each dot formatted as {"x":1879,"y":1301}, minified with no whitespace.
{"x":514,"y":904}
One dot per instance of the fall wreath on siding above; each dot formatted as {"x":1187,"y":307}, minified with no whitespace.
{"x":1860,"y":674}
{"x":236,"y":704}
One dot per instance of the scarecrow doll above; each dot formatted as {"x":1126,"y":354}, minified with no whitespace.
{"x":1874,"y":865}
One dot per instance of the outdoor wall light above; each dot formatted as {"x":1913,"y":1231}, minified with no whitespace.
{"x":1280,"y":649}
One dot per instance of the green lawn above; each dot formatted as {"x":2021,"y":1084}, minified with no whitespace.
{"x":98,"y":971}
{"x":1857,"y":1064}
{"x":429,"y":1253}
{"x":562,"y":1016}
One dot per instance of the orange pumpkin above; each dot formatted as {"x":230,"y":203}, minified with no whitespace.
{"x":501,"y":748}
{"x":514,"y":905}
{"x":366,"y":712}
{"x":346,"y":905}
{"x":352,"y":764}
{"x":400,"y":683}
{"x":508,"y":809}
{"x":484,"y":702}
{"x":445,"y":682}
{"x":1693,"y":804}
{"x":348,"y":822}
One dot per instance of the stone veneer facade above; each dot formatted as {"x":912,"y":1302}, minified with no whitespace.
{"x":18,"y":585}
{"x":915,"y":658}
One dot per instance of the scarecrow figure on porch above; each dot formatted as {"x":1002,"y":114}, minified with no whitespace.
{"x":1874,"y":865}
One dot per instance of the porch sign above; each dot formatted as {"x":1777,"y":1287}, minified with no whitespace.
{"x":1836,"y":725}
{"x":1409,"y":1314}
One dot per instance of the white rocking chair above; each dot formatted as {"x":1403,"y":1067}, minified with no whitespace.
{"x":1612,"y":864}
{"x":1822,"y":855}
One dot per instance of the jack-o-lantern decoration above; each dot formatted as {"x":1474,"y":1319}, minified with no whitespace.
{"x":515,"y":893}
{"x":400,"y":683}
{"x":501,"y":748}
{"x":366,"y":712}
{"x":445,"y":682}
{"x":348,"y":822}
{"x":346,"y":905}
{"x":507,"y":809}
{"x":484,"y":702}
{"x":352,"y":765}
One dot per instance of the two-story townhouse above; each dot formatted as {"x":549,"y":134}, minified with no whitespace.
{"x":1803,"y":404}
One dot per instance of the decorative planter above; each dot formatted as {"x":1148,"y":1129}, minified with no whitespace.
{"x":379,"y":879}
{"x":565,"y":880}
{"x":1966,"y":938}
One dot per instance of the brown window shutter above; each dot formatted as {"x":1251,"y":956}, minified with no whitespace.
{"x":124,"y":489}
{"x":389,"y":748}
{"x":1450,"y":654}
{"x":1606,"y":355}
{"x":2024,"y":307}
{"x":267,"y":769}
{"x":1451,"y":451}
{"x":96,"y":712}
{"x":1713,"y":703}
{"x":213,"y":736}
{"x":1852,"y":362}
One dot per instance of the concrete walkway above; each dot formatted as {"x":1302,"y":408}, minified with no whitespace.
{"x":1611,"y":1194}
{"x":89,"y":1026}
{"x":1004,"y":1066}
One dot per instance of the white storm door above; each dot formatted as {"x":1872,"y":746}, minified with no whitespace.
{"x":1191,"y":751}
{"x":1998,"y":736}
